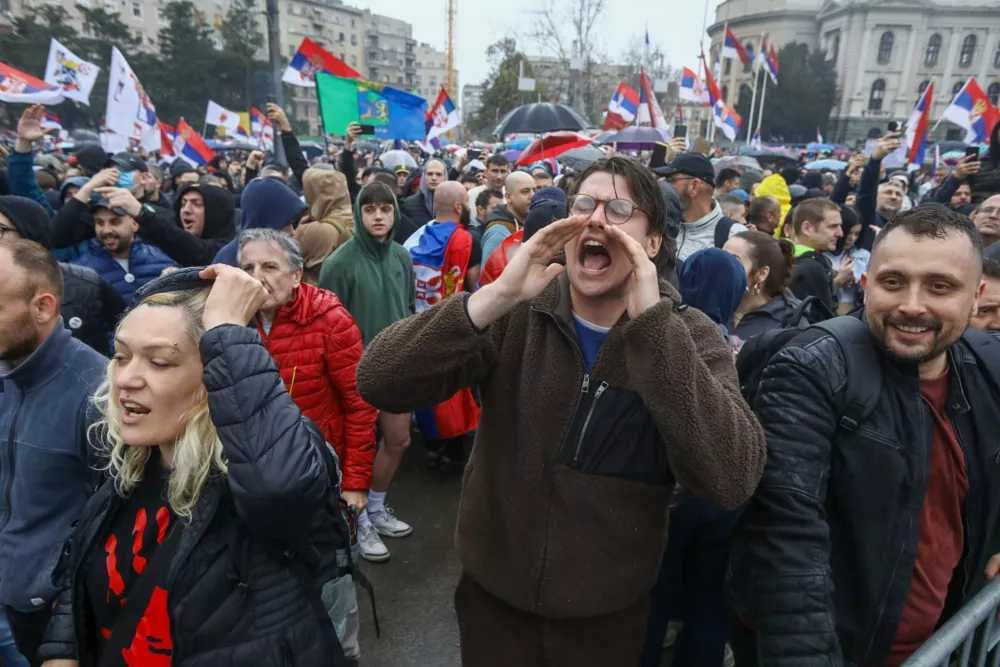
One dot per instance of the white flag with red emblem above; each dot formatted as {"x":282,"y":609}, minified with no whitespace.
{"x":222,"y":117}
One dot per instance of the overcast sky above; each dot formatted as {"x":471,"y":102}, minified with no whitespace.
{"x":675,"y":27}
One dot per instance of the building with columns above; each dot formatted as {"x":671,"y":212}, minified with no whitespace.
{"x":886,"y":52}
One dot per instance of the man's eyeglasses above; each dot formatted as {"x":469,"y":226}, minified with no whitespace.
{"x":617,"y":211}
{"x":8,"y":230}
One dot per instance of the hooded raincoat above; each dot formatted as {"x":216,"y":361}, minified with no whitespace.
{"x":373,"y":279}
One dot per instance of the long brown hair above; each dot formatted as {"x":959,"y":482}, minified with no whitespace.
{"x":776,"y":254}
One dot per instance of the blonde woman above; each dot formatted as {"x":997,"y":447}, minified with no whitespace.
{"x":214,"y":477}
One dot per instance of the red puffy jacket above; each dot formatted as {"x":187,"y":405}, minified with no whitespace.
{"x":318,"y":346}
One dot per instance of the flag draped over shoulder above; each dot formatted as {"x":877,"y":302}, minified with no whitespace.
{"x":393,"y":113}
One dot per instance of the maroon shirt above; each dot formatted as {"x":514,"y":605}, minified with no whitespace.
{"x":941,"y":532}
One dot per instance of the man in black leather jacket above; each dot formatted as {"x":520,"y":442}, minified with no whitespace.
{"x":859,"y":542}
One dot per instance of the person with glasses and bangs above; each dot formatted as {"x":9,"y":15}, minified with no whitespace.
{"x":704,"y":224}
{"x":600,"y":392}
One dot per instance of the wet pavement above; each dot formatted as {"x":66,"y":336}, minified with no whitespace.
{"x":414,"y":589}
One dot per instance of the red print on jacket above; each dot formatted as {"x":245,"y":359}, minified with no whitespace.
{"x":151,"y":646}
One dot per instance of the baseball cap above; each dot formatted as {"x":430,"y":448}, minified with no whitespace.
{"x":91,"y":158}
{"x":98,"y":201}
{"x":692,"y":164}
{"x":128,"y":162}
{"x":740,"y":194}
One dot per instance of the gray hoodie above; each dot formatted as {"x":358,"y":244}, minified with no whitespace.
{"x":46,"y":473}
{"x":695,"y":236}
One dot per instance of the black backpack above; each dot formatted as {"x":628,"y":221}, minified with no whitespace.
{"x":864,"y":374}
{"x":811,"y":310}
{"x":722,"y":228}
{"x":864,"y":377}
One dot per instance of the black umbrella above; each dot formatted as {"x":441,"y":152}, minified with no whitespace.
{"x":579,"y":159}
{"x":541,"y":118}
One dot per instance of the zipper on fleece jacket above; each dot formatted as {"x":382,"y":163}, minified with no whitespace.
{"x":586,"y":422}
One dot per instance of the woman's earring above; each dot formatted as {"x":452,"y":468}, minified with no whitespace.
{"x":756,"y":289}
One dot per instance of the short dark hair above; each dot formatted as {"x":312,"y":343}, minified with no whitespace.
{"x":497,"y":160}
{"x":484,"y":197}
{"x":760,"y":207}
{"x":726,"y":174}
{"x":811,"y":210}
{"x":648,"y":196}
{"x":931,"y":221}
{"x":387,"y":179}
{"x":776,"y":254}
{"x":991,"y":268}
{"x":468,"y":177}
{"x":41,"y":268}
{"x":376,"y":192}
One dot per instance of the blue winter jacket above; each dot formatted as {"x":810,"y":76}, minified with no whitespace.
{"x":47,"y":473}
{"x":266,"y":202}
{"x":145,"y":263}
{"x":21,"y":180}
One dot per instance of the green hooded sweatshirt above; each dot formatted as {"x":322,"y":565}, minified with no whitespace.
{"x":373,"y":280}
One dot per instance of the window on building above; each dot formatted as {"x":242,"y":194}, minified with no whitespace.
{"x":954,"y":135}
{"x":996,"y":58}
{"x":728,"y":67}
{"x":885,"y":48}
{"x":933,"y":50}
{"x":354,"y":40}
{"x":292,"y":50}
{"x":957,"y":87}
{"x":968,"y":51}
{"x":725,"y":93}
{"x":354,"y":61}
{"x":835,"y":47}
{"x":993,"y":92}
{"x":136,"y":9}
{"x":343,"y":56}
{"x":922,"y":87}
{"x":161,"y":15}
{"x":352,"y":23}
{"x":746,"y":67}
{"x":877,"y":94}
{"x":341,"y":37}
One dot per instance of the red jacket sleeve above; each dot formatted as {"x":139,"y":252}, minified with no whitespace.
{"x":343,"y":351}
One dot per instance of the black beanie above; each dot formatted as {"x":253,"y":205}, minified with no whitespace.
{"x":29,"y":218}
{"x":790,"y":174}
{"x":813,"y":179}
{"x":541,"y":215}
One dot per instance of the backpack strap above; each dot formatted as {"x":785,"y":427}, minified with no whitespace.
{"x":800,"y":311}
{"x":864,"y":374}
{"x":722,"y":229}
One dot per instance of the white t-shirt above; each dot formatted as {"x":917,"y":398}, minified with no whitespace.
{"x":122,"y":263}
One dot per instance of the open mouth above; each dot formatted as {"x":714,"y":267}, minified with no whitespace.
{"x":132,"y":412}
{"x":594,"y":257}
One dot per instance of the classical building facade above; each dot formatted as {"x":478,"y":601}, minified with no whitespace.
{"x":886,"y":52}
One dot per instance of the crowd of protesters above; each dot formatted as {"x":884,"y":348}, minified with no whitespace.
{"x":749,"y":413}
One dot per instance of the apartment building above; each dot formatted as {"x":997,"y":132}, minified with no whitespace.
{"x":432,"y":73}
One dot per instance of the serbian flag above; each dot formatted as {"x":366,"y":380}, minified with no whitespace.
{"x":731,"y":48}
{"x":819,"y":136}
{"x":725,"y":118}
{"x":649,"y":108}
{"x":692,"y":89}
{"x":190,"y":146}
{"x":972,"y":110}
{"x":916,"y":130}
{"x":623,"y":108}
{"x":440,"y":252}
{"x":309,"y":60}
{"x":50,"y":121}
{"x":168,"y":134}
{"x":442,"y":117}
{"x":16,"y":87}
{"x":261,"y":129}
{"x":242,"y":132}
{"x":756,"y":143}
{"x":771,"y":63}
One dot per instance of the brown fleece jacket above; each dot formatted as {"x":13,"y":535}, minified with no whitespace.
{"x":541,"y":536}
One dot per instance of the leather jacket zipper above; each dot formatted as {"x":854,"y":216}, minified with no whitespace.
{"x":9,"y":461}
{"x":590,"y":413}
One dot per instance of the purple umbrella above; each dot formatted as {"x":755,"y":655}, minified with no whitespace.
{"x":512,"y":154}
{"x":638,"y":138}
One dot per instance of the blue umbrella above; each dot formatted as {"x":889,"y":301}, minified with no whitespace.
{"x":819,"y":148}
{"x":520,"y":143}
{"x":833,"y":165}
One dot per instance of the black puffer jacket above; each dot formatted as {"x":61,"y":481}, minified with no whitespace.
{"x":775,"y":314}
{"x":91,"y":306}
{"x":229,"y":601}
{"x":823,"y":557}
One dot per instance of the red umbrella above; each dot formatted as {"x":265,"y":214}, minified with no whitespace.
{"x":553,"y":144}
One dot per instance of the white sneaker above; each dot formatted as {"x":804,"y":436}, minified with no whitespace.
{"x":370,"y":544}
{"x":387,"y":524}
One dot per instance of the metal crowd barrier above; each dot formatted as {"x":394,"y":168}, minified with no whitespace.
{"x":974,"y":625}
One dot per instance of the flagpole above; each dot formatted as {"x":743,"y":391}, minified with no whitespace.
{"x":763,"y":94}
{"x":753,"y":102}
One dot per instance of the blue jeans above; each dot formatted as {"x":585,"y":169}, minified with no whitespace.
{"x":9,"y":657}
{"x":691,"y":587}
